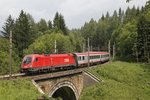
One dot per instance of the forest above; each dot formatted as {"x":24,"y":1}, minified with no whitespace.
{"x":128,"y":31}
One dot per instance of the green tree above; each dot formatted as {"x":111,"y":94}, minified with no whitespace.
{"x":128,"y":0}
{"x":45,"y":44}
{"x":63,"y":25}
{"x":9,"y":25}
{"x":88,"y":31}
{"x":59,"y":23}
{"x":22,"y":36}
{"x":42,"y":25}
{"x":77,"y":41}
{"x":121,"y":15}
{"x":33,"y":27}
{"x":50,"y":25}
{"x":126,"y":41}
{"x":4,"y":57}
{"x":143,"y":41}
{"x":56,"y":21}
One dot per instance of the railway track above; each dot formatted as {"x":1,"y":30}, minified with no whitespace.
{"x":40,"y":76}
{"x":12,"y":76}
{"x":51,"y":74}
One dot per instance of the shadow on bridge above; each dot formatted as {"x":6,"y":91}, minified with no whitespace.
{"x":66,"y":93}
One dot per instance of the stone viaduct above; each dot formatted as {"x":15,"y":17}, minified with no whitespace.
{"x":67,"y":85}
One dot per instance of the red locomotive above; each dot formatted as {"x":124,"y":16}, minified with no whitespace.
{"x":40,"y":62}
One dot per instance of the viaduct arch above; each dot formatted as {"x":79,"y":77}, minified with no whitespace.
{"x":68,"y":87}
{"x":66,"y":90}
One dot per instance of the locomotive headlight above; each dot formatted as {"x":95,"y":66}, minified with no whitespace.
{"x":30,"y":66}
{"x":25,"y":66}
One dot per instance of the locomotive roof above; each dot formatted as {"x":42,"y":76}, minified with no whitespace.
{"x":69,"y":54}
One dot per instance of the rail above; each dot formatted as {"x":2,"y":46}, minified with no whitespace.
{"x":12,"y":76}
{"x":52,"y":74}
{"x":43,"y":75}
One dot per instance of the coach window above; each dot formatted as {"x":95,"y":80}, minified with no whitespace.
{"x":96,"y":57}
{"x":79,"y":58}
{"x":83,"y":58}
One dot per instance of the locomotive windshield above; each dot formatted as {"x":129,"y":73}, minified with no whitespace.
{"x":27,"y":60}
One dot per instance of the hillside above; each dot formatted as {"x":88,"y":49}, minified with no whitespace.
{"x":122,"y":81}
{"x":18,"y":90}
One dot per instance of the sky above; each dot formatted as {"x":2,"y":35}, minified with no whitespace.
{"x":75,"y":12}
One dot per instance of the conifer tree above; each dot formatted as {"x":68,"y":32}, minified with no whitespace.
{"x":62,"y":24}
{"x":9,"y":25}
{"x":22,"y":35}
{"x":42,"y":25}
{"x":143,"y":39}
{"x":59,"y":23}
{"x":56,"y":21}
{"x":33,"y":27}
{"x":49,"y":25}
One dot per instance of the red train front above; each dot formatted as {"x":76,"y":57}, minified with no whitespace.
{"x":37,"y":62}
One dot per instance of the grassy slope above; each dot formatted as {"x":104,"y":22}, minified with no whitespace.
{"x":18,"y":90}
{"x":122,"y":81}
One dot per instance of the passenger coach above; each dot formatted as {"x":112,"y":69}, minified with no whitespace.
{"x":94,"y":58}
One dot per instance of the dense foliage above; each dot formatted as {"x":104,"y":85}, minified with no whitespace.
{"x":143,"y":38}
{"x":25,"y":30}
{"x":128,"y":30}
{"x":4,"y":57}
{"x":130,"y":81}
{"x":46,"y":44}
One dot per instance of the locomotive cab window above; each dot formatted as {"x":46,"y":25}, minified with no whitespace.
{"x":27,"y":60}
{"x":36,"y":60}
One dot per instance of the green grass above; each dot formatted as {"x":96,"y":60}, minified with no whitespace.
{"x":19,"y":89}
{"x":122,"y":81}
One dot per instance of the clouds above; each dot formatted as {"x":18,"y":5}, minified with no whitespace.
{"x":75,"y":12}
